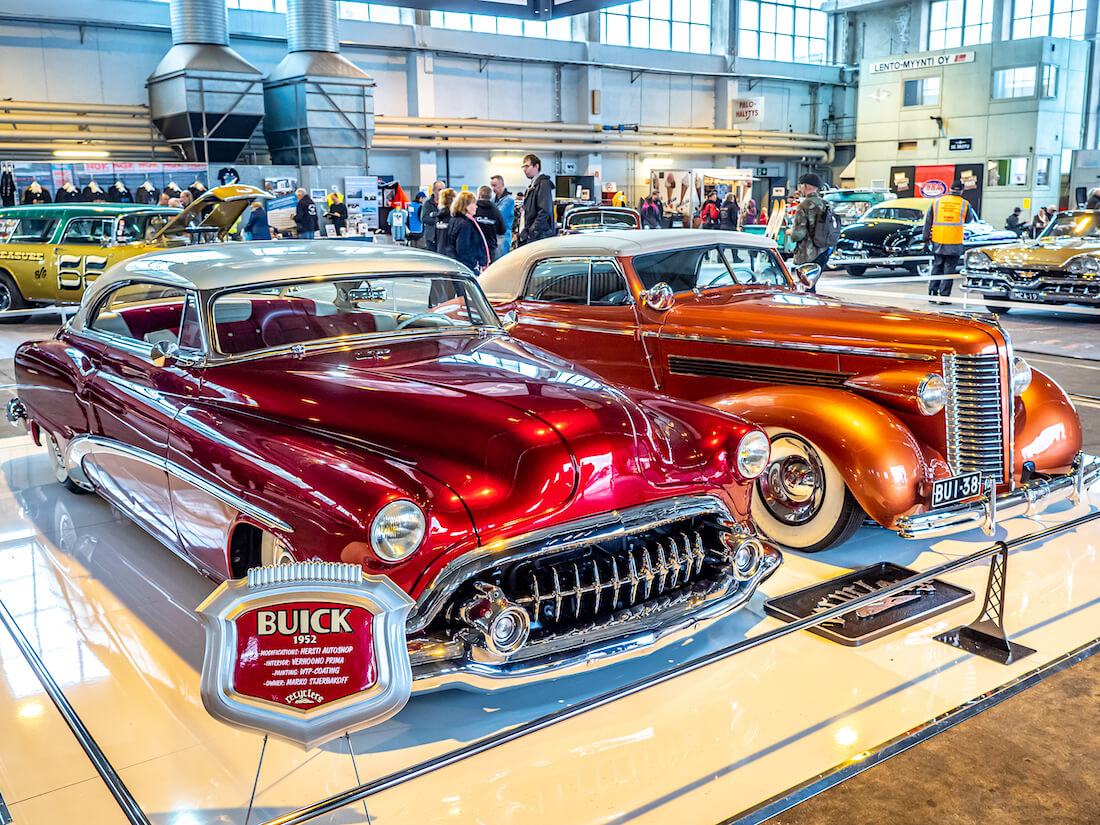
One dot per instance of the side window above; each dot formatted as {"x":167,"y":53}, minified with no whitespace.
{"x":143,"y":312}
{"x":27,"y":230}
{"x":712,"y":270}
{"x":559,"y":282}
{"x":190,"y":327}
{"x":87,"y":231}
{"x":608,"y":288}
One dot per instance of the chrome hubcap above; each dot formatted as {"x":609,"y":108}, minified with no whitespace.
{"x":59,"y":470}
{"x":792,"y":486}
{"x":5,"y":297}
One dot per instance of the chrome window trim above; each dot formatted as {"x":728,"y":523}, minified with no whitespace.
{"x":587,"y":259}
{"x":84,"y":445}
{"x":541,"y":322}
{"x":558,"y":539}
{"x":839,"y":349}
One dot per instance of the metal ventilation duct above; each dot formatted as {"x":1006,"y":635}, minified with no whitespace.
{"x":319,"y":106}
{"x":203,"y":96}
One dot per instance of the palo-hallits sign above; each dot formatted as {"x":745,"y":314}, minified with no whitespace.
{"x":307,"y":651}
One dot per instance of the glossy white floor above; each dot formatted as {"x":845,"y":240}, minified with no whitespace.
{"x":110,"y":613}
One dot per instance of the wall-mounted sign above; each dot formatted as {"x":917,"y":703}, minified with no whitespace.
{"x":306,"y":652}
{"x":960,"y":144}
{"x":929,"y":62}
{"x":747,"y":110}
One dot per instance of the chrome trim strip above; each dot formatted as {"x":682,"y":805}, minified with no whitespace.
{"x":556,"y":539}
{"x":542,"y":322}
{"x":891,"y":260}
{"x":1027,"y":499}
{"x":335,"y":802}
{"x":840,"y":349}
{"x":85,"y":445}
{"x":130,"y":808}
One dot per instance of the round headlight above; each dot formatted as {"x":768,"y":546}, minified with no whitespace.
{"x":1021,"y":376}
{"x":746,"y":559}
{"x":1083,"y":264}
{"x":397,"y":530}
{"x":976,"y":259}
{"x":752,"y":454}
{"x":931,"y":394}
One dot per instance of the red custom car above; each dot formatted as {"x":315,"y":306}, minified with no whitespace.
{"x":272,"y":402}
{"x":912,"y":418}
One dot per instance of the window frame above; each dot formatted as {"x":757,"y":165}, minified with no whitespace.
{"x":68,"y":225}
{"x":1034,"y":83}
{"x":590,"y":261}
{"x":134,"y":346}
{"x":938,"y":77}
{"x":1026,"y":176}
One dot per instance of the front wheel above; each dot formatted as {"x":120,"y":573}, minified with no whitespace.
{"x":996,"y":310}
{"x":10,"y":299}
{"x":801,"y":500}
{"x":923,"y":270}
{"x":855,"y":271}
{"x":60,"y":470}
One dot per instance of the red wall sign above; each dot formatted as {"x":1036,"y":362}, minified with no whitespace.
{"x":306,"y":651}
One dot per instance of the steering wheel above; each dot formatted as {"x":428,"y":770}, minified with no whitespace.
{"x":450,"y":321}
{"x":716,"y":279}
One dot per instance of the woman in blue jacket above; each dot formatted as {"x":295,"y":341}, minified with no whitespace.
{"x":257,"y":228}
{"x":471,"y":248}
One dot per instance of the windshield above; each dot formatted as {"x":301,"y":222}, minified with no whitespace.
{"x":710,"y":266}
{"x":894,"y":213}
{"x":262,"y":317}
{"x":595,"y":219}
{"x":1074,"y":225}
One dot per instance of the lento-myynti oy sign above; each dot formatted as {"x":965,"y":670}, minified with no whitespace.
{"x":306,"y":651}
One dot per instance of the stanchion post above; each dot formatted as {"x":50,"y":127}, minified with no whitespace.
{"x":986,"y":636}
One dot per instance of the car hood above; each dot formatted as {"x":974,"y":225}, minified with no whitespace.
{"x":223,"y":205}
{"x":819,"y":322}
{"x":1052,"y":253}
{"x":516,"y":433}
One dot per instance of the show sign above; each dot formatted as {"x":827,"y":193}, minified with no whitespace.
{"x":306,"y":652}
{"x":747,"y":111}
{"x":928,"y":62}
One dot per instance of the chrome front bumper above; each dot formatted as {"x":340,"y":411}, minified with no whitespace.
{"x":1052,"y":291}
{"x":839,"y":260}
{"x":1027,"y":499}
{"x":450,"y":665}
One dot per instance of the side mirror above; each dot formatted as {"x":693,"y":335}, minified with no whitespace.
{"x":659,"y":297}
{"x":808,"y":275}
{"x":165,"y":353}
{"x":510,"y":319}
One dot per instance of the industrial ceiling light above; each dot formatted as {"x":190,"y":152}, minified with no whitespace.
{"x":505,"y":160}
{"x":81,"y":153}
{"x":657,"y":161}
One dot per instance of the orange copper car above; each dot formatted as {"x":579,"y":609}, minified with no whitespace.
{"x":928,"y":423}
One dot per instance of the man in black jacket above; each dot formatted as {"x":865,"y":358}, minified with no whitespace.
{"x":428,"y":212}
{"x":305,"y":216}
{"x":490,"y":220}
{"x":538,"y":203}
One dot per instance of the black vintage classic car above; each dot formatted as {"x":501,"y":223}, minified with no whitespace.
{"x":889,"y":236}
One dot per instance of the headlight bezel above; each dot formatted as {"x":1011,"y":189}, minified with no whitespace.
{"x":753,"y":449}
{"x":1083,"y":265}
{"x":400,"y":516}
{"x":976,"y":259}
{"x":931,"y":394}
{"x":1021,"y":376}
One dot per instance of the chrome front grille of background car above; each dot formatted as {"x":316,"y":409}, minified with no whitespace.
{"x":975,"y":423}
{"x":617,"y":580}
{"x":761,"y":373}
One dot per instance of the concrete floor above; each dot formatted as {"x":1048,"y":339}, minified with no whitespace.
{"x":1032,"y":759}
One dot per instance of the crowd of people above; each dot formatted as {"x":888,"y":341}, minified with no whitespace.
{"x":1019,"y":224}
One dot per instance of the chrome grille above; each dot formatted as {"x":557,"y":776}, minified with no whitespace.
{"x":762,"y":373}
{"x":975,"y":423}
{"x":607,"y":581}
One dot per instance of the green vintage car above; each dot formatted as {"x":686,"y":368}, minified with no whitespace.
{"x":49,"y":254}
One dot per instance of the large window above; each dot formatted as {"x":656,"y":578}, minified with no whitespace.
{"x":371,"y":12}
{"x":923,"y":91}
{"x":679,"y":25}
{"x":1006,"y":172}
{"x":954,"y":23}
{"x":1017,"y":82}
{"x":1056,"y":18}
{"x":558,"y":29}
{"x":790,"y":30}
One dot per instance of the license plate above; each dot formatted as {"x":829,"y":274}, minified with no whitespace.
{"x":1026,"y":296}
{"x":956,"y":488}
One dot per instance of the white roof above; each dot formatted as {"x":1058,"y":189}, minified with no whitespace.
{"x":503,"y":280}
{"x":217,"y":266}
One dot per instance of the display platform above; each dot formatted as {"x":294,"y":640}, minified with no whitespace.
{"x":111,"y":614}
